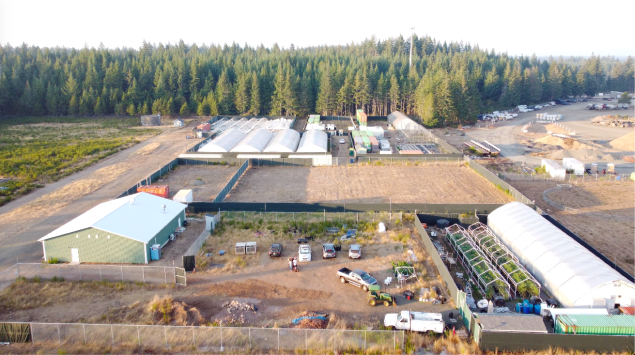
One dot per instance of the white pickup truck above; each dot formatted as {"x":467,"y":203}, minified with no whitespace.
{"x":415,"y":321}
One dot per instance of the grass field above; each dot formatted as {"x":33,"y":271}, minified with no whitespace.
{"x":38,"y":150}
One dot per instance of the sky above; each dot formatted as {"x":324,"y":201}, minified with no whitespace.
{"x":544,"y":28}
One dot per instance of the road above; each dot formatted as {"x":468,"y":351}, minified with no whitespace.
{"x":23,"y":246}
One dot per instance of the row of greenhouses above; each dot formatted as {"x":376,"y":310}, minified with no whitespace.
{"x":478,"y":267}
{"x":521,"y":281}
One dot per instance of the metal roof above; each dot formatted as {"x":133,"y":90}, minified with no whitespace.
{"x":140,"y":220}
{"x":593,"y":320}
{"x":511,"y":323}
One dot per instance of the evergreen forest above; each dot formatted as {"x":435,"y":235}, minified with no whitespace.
{"x":447,"y":84}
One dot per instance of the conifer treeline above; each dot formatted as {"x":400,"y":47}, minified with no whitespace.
{"x":448,"y":83}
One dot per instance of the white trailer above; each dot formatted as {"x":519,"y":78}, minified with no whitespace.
{"x":573,"y":164}
{"x":554,"y":169}
{"x":183,"y":196}
{"x":415,"y":321}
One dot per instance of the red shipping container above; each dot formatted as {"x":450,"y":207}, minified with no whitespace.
{"x":205,"y":127}
{"x":157,"y":190}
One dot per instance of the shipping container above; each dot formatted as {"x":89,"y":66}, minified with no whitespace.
{"x":356,"y":134}
{"x":595,"y":324}
{"x":157,"y":190}
{"x":205,"y":127}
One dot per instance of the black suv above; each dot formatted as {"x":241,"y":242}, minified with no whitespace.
{"x":275,"y":250}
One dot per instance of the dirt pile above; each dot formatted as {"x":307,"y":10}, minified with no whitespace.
{"x":166,"y":311}
{"x":613,"y":121}
{"x":311,"y":320}
{"x":624,"y":143}
{"x":566,"y":143}
{"x":238,"y":313}
{"x":582,"y":154}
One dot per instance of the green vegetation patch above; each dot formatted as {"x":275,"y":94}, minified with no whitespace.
{"x":38,"y":150}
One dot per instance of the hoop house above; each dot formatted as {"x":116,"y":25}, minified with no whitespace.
{"x":313,"y":141}
{"x":223,"y":143}
{"x":285,"y":141}
{"x":476,"y":264}
{"x":254,"y":142}
{"x":521,"y":281}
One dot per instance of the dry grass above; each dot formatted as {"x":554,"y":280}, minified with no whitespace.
{"x":53,"y":202}
{"x":147,"y":149}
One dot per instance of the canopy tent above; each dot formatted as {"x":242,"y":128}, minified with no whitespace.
{"x":254,"y":142}
{"x":570,"y":272}
{"x":401,"y":121}
{"x":313,"y":141}
{"x":223,"y":143}
{"x":284,"y":141}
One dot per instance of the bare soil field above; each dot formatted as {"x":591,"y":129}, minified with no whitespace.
{"x":266,"y":283}
{"x":205,"y":181}
{"x":424,"y":183}
{"x":603,"y":216}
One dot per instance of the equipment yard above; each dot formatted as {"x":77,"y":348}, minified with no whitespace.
{"x":205,"y":181}
{"x":601,"y":213}
{"x":420,"y":183}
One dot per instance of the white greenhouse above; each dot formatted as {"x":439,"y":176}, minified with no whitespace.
{"x":401,"y":121}
{"x":284,"y":141}
{"x":223,"y":143}
{"x":254,"y":142}
{"x":566,"y":269}
{"x":313,"y":141}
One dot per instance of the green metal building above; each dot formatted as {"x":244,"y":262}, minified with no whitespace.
{"x":117,"y":231}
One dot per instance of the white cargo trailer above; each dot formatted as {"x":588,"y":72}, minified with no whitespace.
{"x":573,"y":164}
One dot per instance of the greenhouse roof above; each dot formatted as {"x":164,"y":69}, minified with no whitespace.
{"x":254,"y":142}
{"x":224,"y":142}
{"x":284,"y":141}
{"x":313,"y":141}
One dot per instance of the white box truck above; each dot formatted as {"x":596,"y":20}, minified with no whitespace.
{"x":415,"y":321}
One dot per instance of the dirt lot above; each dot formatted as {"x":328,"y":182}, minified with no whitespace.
{"x":205,"y":181}
{"x":423,"y":183}
{"x":278,"y":294}
{"x":603,"y":214}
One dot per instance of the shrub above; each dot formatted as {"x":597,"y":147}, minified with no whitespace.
{"x":53,"y":261}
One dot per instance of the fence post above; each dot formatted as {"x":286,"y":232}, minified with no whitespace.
{"x":138,"y":337}
{"x":165,"y":334}
{"x":306,"y":341}
{"x":59,"y":336}
{"x":112,"y":336}
{"x":278,"y":339}
{"x":17,"y":263}
{"x":79,"y":267}
{"x":165,"y":273}
{"x":334,"y":341}
{"x":143,"y":272}
{"x":193,"y":337}
{"x":100,"y":277}
{"x":84,"y":330}
{"x":249,"y":337}
{"x":365,"y":331}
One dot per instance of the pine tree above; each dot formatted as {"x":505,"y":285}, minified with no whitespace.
{"x":185,"y":110}
{"x":224,"y":95}
{"x":242,"y":93}
{"x":277,"y":100}
{"x":393,"y":94}
{"x":73,"y":106}
{"x":99,"y":107}
{"x":326,"y":95}
{"x":254,"y":101}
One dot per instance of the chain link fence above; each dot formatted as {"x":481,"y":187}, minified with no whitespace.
{"x":311,"y":217}
{"x":155,"y":338}
{"x":570,"y":178}
{"x":96,"y":272}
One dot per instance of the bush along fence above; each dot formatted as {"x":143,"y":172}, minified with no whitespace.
{"x":94,"y":272}
{"x":151,"y":178}
{"x":159,"y":338}
{"x":230,"y":184}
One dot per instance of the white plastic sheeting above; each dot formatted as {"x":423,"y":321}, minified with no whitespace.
{"x":223,"y":143}
{"x":554,"y":169}
{"x":285,"y":141}
{"x":254,"y":142}
{"x":401,"y":121}
{"x":313,"y":141}
{"x":570,"y":272}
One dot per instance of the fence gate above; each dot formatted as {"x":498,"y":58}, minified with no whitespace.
{"x":179,"y":276}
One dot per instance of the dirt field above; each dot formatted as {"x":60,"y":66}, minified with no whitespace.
{"x":278,"y":294}
{"x":425,"y":183}
{"x":603,"y":214}
{"x":45,"y":209}
{"x":205,"y":181}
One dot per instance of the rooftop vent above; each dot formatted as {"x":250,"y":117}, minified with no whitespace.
{"x":162,"y":208}
{"x":132,"y":201}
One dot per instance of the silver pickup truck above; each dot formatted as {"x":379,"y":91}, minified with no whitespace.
{"x":357,"y":277}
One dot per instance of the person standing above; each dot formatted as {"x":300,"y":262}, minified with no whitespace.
{"x":295,"y":264}
{"x":290,"y":264}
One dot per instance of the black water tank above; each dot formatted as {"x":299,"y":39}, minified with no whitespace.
{"x":443,"y":223}
{"x":189,"y":262}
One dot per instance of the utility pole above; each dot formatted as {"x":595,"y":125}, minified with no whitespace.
{"x":412,"y":35}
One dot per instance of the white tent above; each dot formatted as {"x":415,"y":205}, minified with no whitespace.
{"x":401,"y":121}
{"x":254,"y":142}
{"x":570,"y":272}
{"x":313,"y":141}
{"x":284,"y":141}
{"x":223,"y":143}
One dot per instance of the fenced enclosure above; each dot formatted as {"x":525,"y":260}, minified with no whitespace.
{"x":94,"y":272}
{"x":156,"y":338}
{"x":409,"y":158}
{"x":310,"y":217}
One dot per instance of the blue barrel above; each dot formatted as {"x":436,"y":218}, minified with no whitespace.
{"x":525,"y":302}
{"x":537,"y":309}
{"x":525,"y":309}
{"x":519,"y":307}
{"x":531,"y":308}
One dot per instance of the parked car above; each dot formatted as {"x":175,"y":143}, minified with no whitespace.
{"x":357,"y":277}
{"x":328,"y":251}
{"x":355,"y":251}
{"x":275,"y":250}
{"x":304,"y":252}
{"x":342,"y":141}
{"x":415,"y":321}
